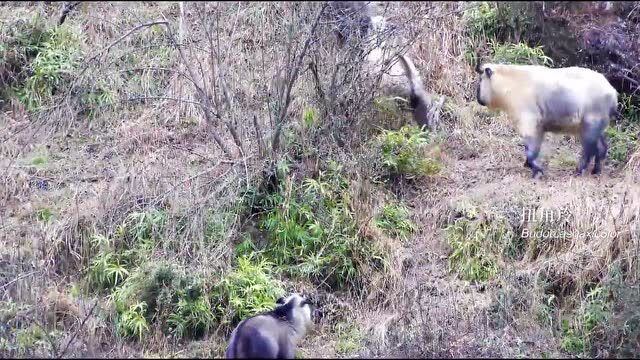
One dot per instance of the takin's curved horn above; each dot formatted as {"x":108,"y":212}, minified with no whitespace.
{"x":478,"y":62}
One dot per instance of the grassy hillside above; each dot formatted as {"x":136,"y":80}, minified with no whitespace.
{"x":168,"y":169}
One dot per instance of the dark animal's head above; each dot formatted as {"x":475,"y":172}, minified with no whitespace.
{"x":297,"y":309}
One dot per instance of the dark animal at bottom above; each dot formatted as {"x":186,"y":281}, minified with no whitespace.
{"x":273,"y":334}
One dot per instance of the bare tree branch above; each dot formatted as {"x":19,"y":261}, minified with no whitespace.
{"x":283,"y":109}
{"x":106,"y":49}
{"x":77,"y":330}
{"x":203,"y":96}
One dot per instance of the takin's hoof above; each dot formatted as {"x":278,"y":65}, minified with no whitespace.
{"x":537,"y":174}
{"x":579,"y":172}
{"x":596,"y":171}
{"x":527,"y":164}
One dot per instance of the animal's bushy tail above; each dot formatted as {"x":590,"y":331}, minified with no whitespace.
{"x":419,"y":99}
{"x":415,"y":83}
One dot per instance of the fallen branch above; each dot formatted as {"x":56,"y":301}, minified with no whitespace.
{"x":78,"y":330}
{"x":139,"y":98}
{"x":106,"y":49}
{"x":3,"y":287}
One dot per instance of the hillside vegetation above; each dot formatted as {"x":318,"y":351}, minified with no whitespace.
{"x":170,"y":168}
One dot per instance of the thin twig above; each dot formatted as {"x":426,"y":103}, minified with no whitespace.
{"x":292,"y":79}
{"x":139,"y":98}
{"x":106,"y":49}
{"x":78,"y":330}
{"x":18,"y":279}
{"x":206,"y":103}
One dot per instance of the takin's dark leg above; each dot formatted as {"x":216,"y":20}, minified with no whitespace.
{"x":532,"y":146}
{"x":591,"y":134}
{"x":601,"y":154}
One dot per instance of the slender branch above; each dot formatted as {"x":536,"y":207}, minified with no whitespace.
{"x":139,"y":98}
{"x":258,"y":136}
{"x":107,"y":48}
{"x":4,"y":286}
{"x":204,"y":98}
{"x":292,"y":79}
{"x":78,"y":330}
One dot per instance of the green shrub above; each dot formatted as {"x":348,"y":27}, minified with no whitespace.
{"x":110,"y":266}
{"x":309,"y":117}
{"x":622,"y":143}
{"x":132,"y":322}
{"x":394,"y":221}
{"x":248,"y":290}
{"x":519,"y":53}
{"x":155,"y":292}
{"x":477,"y":242}
{"x":192,"y":315}
{"x":96,"y":99}
{"x":482,"y":19}
{"x":44,"y":214}
{"x":629,"y":109}
{"x":349,"y":338}
{"x":48,"y":57}
{"x":314,"y":233}
{"x":623,"y":136}
{"x":402,"y":152}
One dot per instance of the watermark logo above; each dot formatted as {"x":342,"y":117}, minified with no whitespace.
{"x":554,"y":220}
{"x":532,"y":215}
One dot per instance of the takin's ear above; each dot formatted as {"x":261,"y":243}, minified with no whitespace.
{"x":280,"y":300}
{"x":488,"y":71}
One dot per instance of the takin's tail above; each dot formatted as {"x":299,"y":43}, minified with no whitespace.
{"x":418,"y":99}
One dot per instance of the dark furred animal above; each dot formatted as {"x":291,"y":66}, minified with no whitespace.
{"x":273,"y":334}
{"x":419,"y":100}
{"x":571,"y":100}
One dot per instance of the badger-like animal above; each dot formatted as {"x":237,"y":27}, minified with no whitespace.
{"x":273,"y":334}
{"x":571,"y":100}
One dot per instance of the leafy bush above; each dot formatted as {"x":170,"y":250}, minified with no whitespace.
{"x":249,"y":289}
{"x":519,"y":53}
{"x":96,"y":99}
{"x":349,"y":338}
{"x":314,"y":234}
{"x":309,"y":117}
{"x":592,"y":318}
{"x":629,"y":109}
{"x":132,"y":322}
{"x":41,"y":59}
{"x":192,"y":315}
{"x":394,"y":220}
{"x":155,"y":292}
{"x":477,"y":242}
{"x":109,"y":268}
{"x":622,"y":143}
{"x":481,"y":19}
{"x":402,"y":152}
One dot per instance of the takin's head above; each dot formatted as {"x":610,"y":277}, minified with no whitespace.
{"x":485,"y":90}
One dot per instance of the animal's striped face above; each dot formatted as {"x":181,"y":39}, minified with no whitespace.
{"x":300,"y":307}
{"x":484,"y":90}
